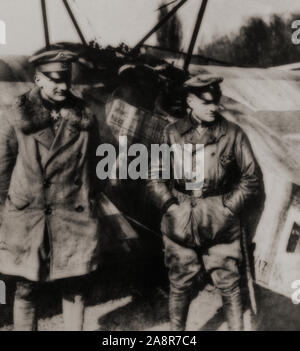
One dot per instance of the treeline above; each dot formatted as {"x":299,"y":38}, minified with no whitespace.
{"x":257,"y":43}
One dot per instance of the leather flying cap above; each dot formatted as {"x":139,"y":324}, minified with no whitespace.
{"x":202,"y":81}
{"x":54,"y":60}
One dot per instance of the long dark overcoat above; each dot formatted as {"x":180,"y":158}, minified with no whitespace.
{"x":48,"y":181}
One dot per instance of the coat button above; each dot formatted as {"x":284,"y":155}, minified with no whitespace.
{"x":46,"y":183}
{"x":48,"y":211}
{"x":79,"y":208}
{"x":78,"y":181}
{"x":194,"y":202}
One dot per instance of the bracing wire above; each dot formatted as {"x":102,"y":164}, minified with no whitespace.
{"x":92,"y":31}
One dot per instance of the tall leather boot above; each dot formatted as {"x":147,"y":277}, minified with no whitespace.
{"x":73,"y":304}
{"x":232,"y":306}
{"x":24,"y":310}
{"x":73,"y":312}
{"x":178,"y":309}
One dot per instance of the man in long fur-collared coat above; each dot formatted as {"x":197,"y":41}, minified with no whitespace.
{"x":48,"y":189}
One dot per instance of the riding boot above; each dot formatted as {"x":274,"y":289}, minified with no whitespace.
{"x":73,"y":312}
{"x":73,"y":304}
{"x":24,"y":310}
{"x":178,"y":309}
{"x":232,"y":306}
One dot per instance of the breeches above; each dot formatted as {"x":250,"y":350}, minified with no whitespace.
{"x":184,"y":265}
{"x":209,"y":225}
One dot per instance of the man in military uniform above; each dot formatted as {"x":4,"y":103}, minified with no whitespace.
{"x":50,"y":231}
{"x":201,"y":227}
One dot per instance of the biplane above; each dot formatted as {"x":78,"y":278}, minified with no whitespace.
{"x":122,"y":86}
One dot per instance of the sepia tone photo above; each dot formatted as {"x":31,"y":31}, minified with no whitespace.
{"x":149,"y":165}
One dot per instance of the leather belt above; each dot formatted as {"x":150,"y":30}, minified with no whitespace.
{"x":193,"y":193}
{"x":196,"y":193}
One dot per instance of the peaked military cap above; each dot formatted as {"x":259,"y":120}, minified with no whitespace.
{"x":202,"y":81}
{"x":53,"y":60}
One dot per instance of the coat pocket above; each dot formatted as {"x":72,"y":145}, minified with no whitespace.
{"x":17,"y":203}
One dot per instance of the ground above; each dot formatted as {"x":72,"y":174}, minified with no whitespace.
{"x":130,"y":293}
{"x":112,"y":307}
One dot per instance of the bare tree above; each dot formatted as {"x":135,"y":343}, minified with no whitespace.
{"x":257,"y":43}
{"x":170,"y":34}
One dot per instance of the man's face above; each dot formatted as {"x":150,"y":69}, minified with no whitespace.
{"x":54,"y":85}
{"x":204,"y":106}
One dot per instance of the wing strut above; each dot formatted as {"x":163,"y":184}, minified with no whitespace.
{"x":79,"y":32}
{"x":45,"y":22}
{"x":195,"y":35}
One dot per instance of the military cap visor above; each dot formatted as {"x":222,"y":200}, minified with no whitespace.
{"x":58,"y":75}
{"x":205,"y":83}
{"x":202,"y":81}
{"x":54,"y":60}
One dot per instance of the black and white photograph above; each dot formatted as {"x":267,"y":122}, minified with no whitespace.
{"x":150,"y":168}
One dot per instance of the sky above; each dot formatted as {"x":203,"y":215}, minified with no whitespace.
{"x":115,"y":21}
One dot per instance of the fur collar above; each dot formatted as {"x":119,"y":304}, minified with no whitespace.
{"x":33,"y":116}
